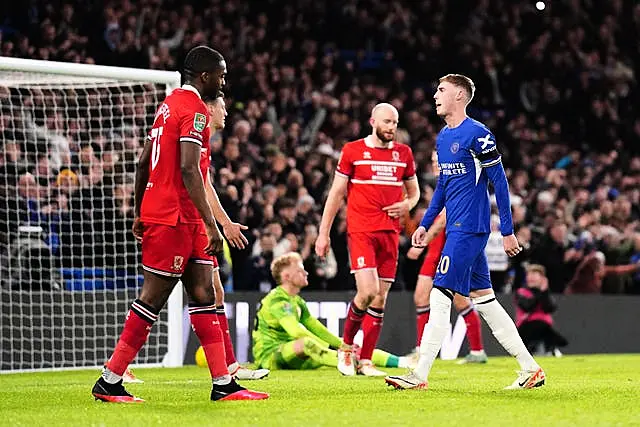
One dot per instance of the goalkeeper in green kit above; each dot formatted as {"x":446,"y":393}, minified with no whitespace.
{"x":287,"y":336}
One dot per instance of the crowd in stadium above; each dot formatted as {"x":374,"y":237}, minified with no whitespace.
{"x":557,"y":90}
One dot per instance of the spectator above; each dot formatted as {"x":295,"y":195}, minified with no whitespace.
{"x":592,"y":270}
{"x":299,"y":90}
{"x":554,"y":254}
{"x":496,"y":256}
{"x":534,"y":308}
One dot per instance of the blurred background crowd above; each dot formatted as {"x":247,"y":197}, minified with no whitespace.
{"x":557,"y":87}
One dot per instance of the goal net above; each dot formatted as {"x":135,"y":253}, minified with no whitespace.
{"x":70,"y":136}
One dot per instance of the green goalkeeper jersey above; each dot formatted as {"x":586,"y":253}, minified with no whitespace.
{"x":282,"y":318}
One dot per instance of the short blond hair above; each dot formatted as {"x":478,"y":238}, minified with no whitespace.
{"x":536,"y":268}
{"x":462,"y":81}
{"x":282,"y":262}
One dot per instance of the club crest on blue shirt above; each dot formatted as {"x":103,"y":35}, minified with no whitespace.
{"x":455,"y":147}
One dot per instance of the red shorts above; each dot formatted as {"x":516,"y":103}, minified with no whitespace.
{"x":431,"y":260}
{"x":166,"y":249}
{"x":378,"y":250}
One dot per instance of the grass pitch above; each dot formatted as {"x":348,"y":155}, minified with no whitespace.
{"x":580,"y":390}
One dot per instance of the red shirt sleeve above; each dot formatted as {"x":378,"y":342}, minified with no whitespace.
{"x":410,"y":170}
{"x":345,"y":163}
{"x":193,"y":122}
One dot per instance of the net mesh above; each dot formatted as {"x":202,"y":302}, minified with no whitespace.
{"x":69,"y":265}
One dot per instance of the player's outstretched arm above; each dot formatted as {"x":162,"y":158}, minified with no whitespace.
{"x":193,"y":182}
{"x":334,"y":200}
{"x":296,"y":330}
{"x":319,"y":330}
{"x":232,"y":230}
{"x":142,"y":178}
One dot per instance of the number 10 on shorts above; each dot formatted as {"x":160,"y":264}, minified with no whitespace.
{"x":443,"y":265}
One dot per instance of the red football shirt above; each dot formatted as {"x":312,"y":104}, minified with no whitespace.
{"x":376,"y":179}
{"x":181,"y":119}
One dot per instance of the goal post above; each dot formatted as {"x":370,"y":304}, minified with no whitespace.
{"x":70,"y":136}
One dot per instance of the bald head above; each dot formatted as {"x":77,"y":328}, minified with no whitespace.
{"x":384,"y":122}
{"x":384,"y":108}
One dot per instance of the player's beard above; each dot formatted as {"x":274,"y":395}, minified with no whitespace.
{"x":384,"y":138}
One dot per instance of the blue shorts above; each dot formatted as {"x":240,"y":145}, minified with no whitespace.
{"x":463,"y":265}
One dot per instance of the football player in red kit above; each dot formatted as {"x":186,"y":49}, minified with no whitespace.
{"x":233,"y":232}
{"x":373,"y":172}
{"x":178,"y":230}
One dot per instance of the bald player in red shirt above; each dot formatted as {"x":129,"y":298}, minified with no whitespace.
{"x":374,"y":172}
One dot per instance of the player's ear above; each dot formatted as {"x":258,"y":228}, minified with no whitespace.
{"x":371,"y":121}
{"x":204,"y":76}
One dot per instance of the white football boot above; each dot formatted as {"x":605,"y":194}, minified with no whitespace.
{"x":528,"y":379}
{"x":366,"y":368}
{"x":347,"y":362}
{"x":409,"y":381}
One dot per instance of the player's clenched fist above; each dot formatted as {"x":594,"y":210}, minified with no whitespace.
{"x":322,"y":245}
{"x":511,"y":245}
{"x":397,"y":209}
{"x":215,"y":240}
{"x":419,"y":237}
{"x":137,"y":229}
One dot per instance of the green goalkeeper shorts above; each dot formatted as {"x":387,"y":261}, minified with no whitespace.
{"x":284,"y":357}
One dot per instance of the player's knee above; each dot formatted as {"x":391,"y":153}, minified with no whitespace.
{"x":202,"y":295}
{"x":310,"y":346}
{"x":379,"y":301}
{"x":421,"y":294}
{"x":366,"y":296}
{"x":157,"y":302}
{"x":306,"y":347}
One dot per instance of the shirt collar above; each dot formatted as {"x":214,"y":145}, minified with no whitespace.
{"x":192,"y":89}
{"x":369,"y":143}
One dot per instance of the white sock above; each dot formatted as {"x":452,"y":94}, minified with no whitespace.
{"x":434,"y":332}
{"x":233,"y":368}
{"x":110,"y":377}
{"x":504,"y":330}
{"x":223,"y":380}
{"x":403,"y":362}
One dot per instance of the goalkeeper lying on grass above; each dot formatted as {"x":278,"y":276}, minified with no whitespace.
{"x":287,"y":336}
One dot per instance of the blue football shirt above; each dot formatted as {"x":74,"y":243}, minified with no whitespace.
{"x":469,"y":159}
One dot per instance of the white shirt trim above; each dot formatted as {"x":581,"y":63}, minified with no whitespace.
{"x":369,"y":143}
{"x":192,"y":89}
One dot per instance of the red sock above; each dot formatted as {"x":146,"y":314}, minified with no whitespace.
{"x":135,"y":332}
{"x":206,"y":326}
{"x":371,"y":327}
{"x":352,"y":324}
{"x":474,"y":332}
{"x":226,"y":336}
{"x":422,"y":318}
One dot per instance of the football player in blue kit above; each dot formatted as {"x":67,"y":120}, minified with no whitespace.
{"x":469,"y":160}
